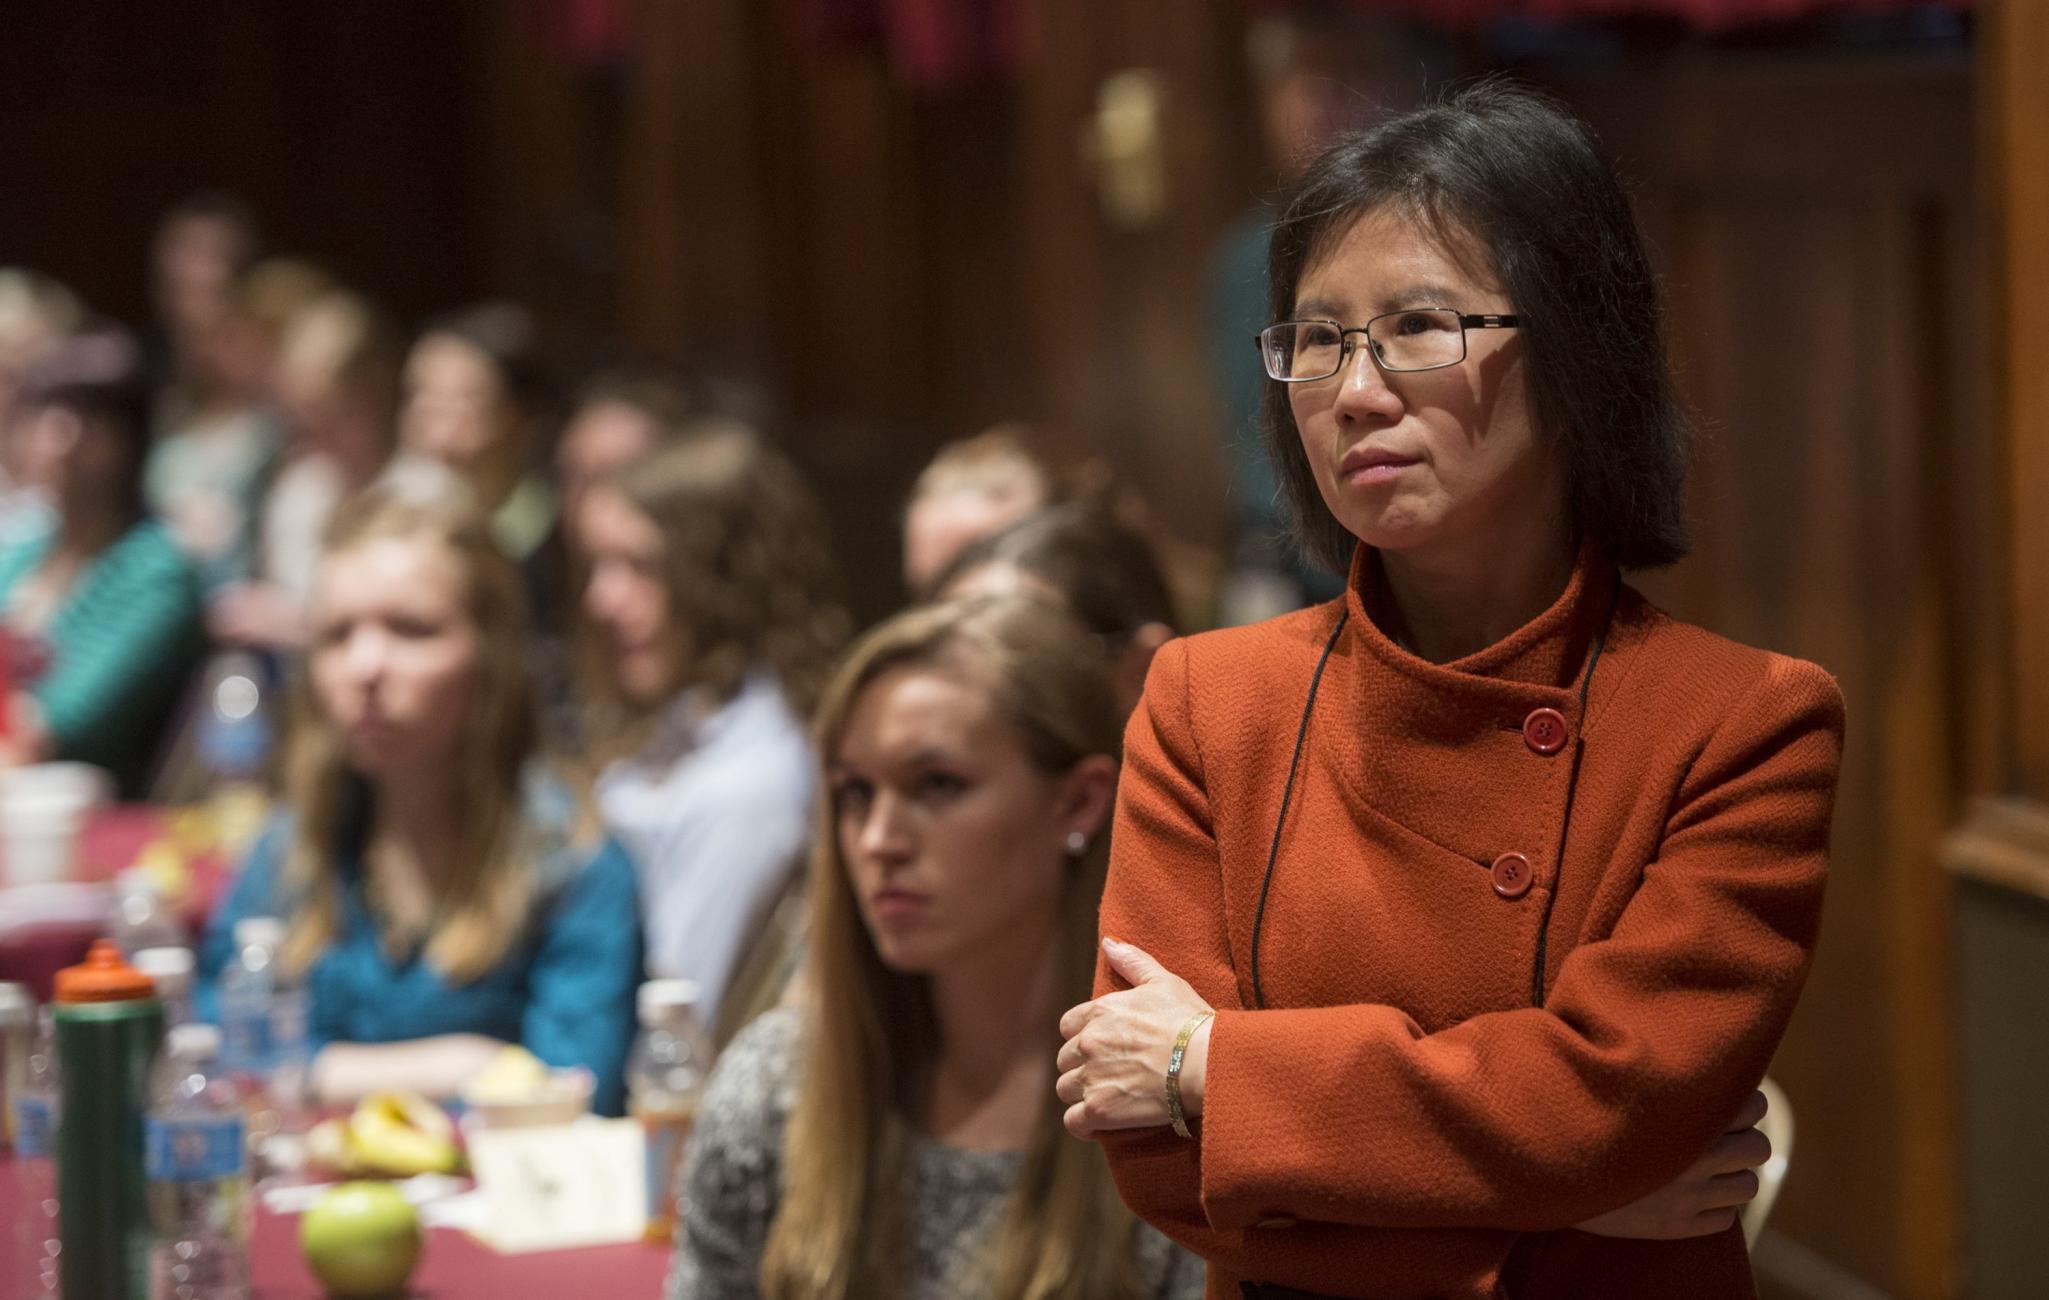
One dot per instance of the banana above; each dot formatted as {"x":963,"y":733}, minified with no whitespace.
{"x":329,"y":1147}
{"x":402,"y":1134}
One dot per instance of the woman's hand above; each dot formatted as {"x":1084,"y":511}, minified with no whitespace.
{"x":1707,"y":1198}
{"x":1113,"y":1067}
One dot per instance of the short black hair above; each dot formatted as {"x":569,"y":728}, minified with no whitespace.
{"x":98,"y":374}
{"x":1516,"y":173}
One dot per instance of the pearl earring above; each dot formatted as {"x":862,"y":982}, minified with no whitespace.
{"x":1077,"y":844}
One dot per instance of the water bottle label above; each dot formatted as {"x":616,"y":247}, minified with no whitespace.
{"x":664,"y":1150}
{"x":194,"y":1149}
{"x":35,"y":1126}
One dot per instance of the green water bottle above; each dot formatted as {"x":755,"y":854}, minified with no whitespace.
{"x":109,"y":1026}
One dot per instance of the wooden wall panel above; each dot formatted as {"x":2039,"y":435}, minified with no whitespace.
{"x":347,"y":128}
{"x":2016,"y":126}
{"x":1817,"y":227}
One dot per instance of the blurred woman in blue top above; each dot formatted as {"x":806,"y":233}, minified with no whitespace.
{"x":442,"y":894}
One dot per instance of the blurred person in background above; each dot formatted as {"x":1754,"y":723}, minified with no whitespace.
{"x":107,"y":594}
{"x":219,"y":432}
{"x":713,"y":621}
{"x":443,"y":893}
{"x":972,"y":488}
{"x":621,"y":415}
{"x":337,"y":387}
{"x":1315,"y":74}
{"x":1096,"y":568}
{"x":36,"y":313}
{"x":472,"y":398}
{"x":204,"y":243}
{"x":895,"y":1134}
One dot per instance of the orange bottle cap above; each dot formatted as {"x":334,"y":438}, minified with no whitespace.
{"x":103,"y":977}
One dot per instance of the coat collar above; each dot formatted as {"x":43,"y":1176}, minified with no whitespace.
{"x":1537,"y":666}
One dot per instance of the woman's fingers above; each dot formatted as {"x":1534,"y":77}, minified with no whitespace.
{"x":1729,"y":1191}
{"x":1752,"y":1113}
{"x":1135,"y":964}
{"x":1710,"y":1222}
{"x":1748,"y":1149}
{"x":1076,"y":1017}
{"x":1070,"y":1088}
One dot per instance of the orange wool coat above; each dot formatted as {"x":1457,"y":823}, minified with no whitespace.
{"x":1449,"y":1074}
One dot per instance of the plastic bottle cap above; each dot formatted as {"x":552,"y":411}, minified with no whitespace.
{"x":263,"y":931}
{"x":165,"y":965}
{"x":17,"y":1005}
{"x":103,"y":977}
{"x":194,"y":1041}
{"x":660,"y":997}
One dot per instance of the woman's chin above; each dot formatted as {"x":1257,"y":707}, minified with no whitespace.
{"x":1391,"y":534}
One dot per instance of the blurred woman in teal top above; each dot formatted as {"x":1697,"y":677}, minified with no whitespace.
{"x":105,"y":594}
{"x":442,"y":895}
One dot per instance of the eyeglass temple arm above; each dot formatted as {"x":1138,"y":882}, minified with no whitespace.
{"x":1480,"y":321}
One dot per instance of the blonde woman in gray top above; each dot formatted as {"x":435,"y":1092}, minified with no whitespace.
{"x":895,"y":1136}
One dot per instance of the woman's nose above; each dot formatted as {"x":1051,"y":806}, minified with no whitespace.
{"x":598,"y":598}
{"x":366,"y":654}
{"x":885,"y":834}
{"x":1363,"y":389}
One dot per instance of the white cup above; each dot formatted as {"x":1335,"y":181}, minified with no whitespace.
{"x":42,"y":809}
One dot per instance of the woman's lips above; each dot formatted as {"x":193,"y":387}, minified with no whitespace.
{"x":897,"y":904}
{"x":1364,"y":468}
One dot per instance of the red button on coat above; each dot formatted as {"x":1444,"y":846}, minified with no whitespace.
{"x":1512,"y":875}
{"x":1544,"y":731}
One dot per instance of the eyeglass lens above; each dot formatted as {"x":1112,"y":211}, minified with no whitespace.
{"x":1408,"y":340}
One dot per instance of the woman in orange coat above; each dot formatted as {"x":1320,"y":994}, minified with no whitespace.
{"x":1500,"y":882}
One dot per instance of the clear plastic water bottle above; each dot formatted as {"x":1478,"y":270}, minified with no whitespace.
{"x":264,"y":1043}
{"x":170,"y":969}
{"x":234,"y":730}
{"x":142,"y":919}
{"x":245,"y":996}
{"x":198,"y":1172}
{"x":234,"y":743}
{"x":34,"y":1123}
{"x":665,"y":1079}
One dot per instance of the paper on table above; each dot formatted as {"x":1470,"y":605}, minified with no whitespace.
{"x":297,"y":1198}
{"x":580,"y":1184}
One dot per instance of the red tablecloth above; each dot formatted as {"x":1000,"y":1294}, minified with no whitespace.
{"x":454,"y":1267}
{"x":111,"y":841}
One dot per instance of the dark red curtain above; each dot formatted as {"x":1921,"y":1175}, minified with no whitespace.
{"x":1708,"y":15}
{"x":931,"y":44}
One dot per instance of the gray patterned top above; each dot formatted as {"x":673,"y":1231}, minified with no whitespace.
{"x":732,"y":1185}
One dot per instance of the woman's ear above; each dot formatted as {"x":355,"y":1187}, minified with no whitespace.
{"x":1087,"y":794}
{"x":1136,"y":659}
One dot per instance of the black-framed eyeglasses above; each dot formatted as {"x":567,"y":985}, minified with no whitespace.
{"x":1419,"y":338}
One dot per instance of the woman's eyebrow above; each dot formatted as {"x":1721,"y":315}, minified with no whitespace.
{"x":1414,"y":295}
{"x":1420,"y":295}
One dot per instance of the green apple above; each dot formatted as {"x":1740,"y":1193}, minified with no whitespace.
{"x":361,"y":1239}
